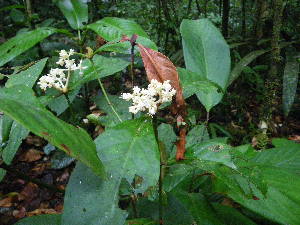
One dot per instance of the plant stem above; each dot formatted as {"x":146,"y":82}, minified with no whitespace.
{"x":108,"y":101}
{"x":160,"y":181}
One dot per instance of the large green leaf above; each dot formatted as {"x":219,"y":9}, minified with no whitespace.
{"x":93,"y":200}
{"x":207,"y":54}
{"x":5,"y":126}
{"x":22,"y":42}
{"x":112,"y":29}
{"x":290,"y":81}
{"x":100,"y":67}
{"x":130,"y":149}
{"x":41,"y":220}
{"x":127,"y":149}
{"x":27,"y":77}
{"x":278,"y":169}
{"x":32,"y":115}
{"x":245,"y":61}
{"x":75,"y":11}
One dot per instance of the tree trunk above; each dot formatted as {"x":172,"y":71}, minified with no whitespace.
{"x":243,"y":18}
{"x":225,"y":17}
{"x":273,"y":81}
{"x":261,"y":9}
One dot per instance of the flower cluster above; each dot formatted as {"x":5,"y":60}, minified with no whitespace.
{"x":57,"y":78}
{"x":149,"y":99}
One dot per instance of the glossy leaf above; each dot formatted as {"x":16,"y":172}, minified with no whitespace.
{"x":113,"y":28}
{"x":245,"y":61}
{"x":93,"y":200}
{"x":50,"y":219}
{"x":27,"y":77}
{"x":75,"y":11}
{"x":290,"y":81}
{"x":207,"y":54}
{"x":22,"y":42}
{"x":33,"y":116}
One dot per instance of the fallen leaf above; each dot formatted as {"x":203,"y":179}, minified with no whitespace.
{"x":19,"y":214}
{"x":35,"y":140}
{"x":31,"y":155}
{"x":29,"y":192}
{"x":41,"y":211}
{"x":7,"y":202}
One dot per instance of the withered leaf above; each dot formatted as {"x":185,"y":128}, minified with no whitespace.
{"x":159,"y":67}
{"x":31,"y":155}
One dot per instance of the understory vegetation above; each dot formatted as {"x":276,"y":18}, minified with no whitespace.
{"x":149,"y":112}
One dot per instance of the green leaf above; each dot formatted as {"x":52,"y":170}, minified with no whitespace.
{"x":120,"y":106}
{"x":2,"y":174}
{"x":198,"y":208}
{"x":22,"y":42}
{"x":99,"y":68}
{"x":230,"y":215}
{"x":176,"y":174}
{"x":278,"y":170}
{"x":290,"y":81}
{"x":53,"y":219}
{"x":27,"y":77}
{"x":167,"y":136}
{"x":213,"y":151}
{"x":17,"y":16}
{"x":112,"y":29}
{"x":197,"y":135}
{"x":17,"y":134}
{"x":193,"y":83}
{"x":60,"y":160}
{"x":33,"y":116}
{"x":93,"y":200}
{"x":130,"y":149}
{"x":75,"y":11}
{"x":245,"y":61}
{"x":140,"y":221}
{"x":207,"y":54}
{"x":5,"y":126}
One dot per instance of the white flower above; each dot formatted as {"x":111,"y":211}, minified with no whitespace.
{"x":149,"y":99}
{"x":56,"y":77}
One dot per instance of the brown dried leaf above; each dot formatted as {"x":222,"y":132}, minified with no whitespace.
{"x":41,"y":211}
{"x":7,"y":202}
{"x":31,"y":155}
{"x":19,"y":214}
{"x":160,"y":68}
{"x":29,"y":192}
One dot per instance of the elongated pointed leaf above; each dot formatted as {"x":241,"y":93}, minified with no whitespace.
{"x":17,"y":134}
{"x":207,"y":54}
{"x":75,"y":11}
{"x":290,"y":81}
{"x":27,"y":77}
{"x":278,"y":169}
{"x":22,"y":42}
{"x":32,"y":115}
{"x":245,"y":61}
{"x":93,"y":200}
